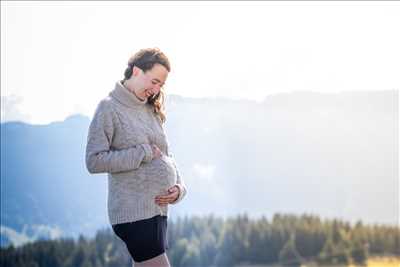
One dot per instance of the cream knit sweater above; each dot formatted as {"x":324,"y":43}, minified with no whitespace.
{"x":118,"y":143}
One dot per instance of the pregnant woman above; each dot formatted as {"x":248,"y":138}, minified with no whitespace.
{"x":126,"y":139}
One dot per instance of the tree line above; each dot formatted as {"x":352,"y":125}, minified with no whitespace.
{"x":286,"y":239}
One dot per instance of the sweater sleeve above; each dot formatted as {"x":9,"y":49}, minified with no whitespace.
{"x":179,"y":182}
{"x":100,"y":157}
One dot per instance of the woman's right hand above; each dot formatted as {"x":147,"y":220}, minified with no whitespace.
{"x":156,"y":151}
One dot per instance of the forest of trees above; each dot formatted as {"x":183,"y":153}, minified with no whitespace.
{"x":286,"y":239}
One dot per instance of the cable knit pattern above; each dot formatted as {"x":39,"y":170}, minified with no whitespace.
{"x":119,"y":143}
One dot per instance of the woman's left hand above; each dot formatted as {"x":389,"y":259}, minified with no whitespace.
{"x":173,"y":193}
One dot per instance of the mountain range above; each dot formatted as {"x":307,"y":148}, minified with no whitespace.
{"x":334,"y":155}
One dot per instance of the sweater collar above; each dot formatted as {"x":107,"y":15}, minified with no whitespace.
{"x":124,"y":96}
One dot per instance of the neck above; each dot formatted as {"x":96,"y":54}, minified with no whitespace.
{"x":130,"y":88}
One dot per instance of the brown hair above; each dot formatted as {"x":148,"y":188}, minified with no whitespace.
{"x":145,"y":60}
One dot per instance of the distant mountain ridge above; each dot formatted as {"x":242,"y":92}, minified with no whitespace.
{"x":330,"y":154}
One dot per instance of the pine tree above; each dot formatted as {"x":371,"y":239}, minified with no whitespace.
{"x":328,"y":253}
{"x":289,"y":256}
{"x":359,"y":253}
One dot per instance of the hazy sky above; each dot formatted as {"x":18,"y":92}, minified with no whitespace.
{"x":60,"y":58}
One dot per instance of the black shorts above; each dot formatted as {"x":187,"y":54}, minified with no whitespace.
{"x":145,"y":239}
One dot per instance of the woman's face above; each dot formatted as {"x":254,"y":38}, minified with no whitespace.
{"x":147,"y":84}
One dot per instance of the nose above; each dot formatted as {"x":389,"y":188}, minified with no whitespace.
{"x":156,"y":88}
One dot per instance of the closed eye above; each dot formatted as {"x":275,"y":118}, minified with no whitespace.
{"x":155,"y":81}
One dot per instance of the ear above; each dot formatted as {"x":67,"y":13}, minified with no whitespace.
{"x":136,"y":71}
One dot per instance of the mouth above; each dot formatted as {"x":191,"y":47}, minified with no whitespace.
{"x":148,"y":93}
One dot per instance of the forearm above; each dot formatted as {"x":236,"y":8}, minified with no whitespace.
{"x":181,"y":185}
{"x":112,"y":161}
